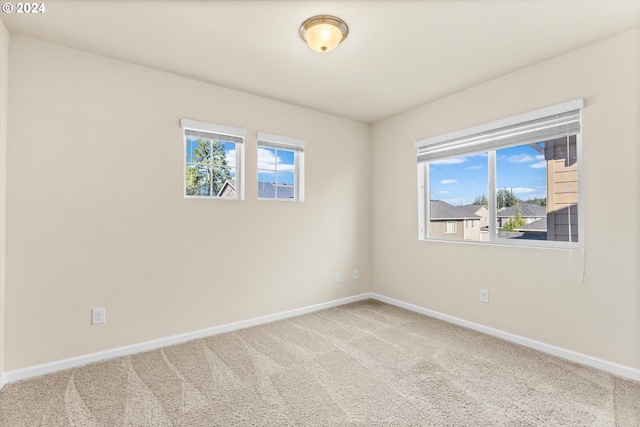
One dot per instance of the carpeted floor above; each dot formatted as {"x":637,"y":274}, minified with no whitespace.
{"x":362,"y":364}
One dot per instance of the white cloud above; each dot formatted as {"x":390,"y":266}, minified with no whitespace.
{"x":520,"y":158}
{"x":539,"y":165}
{"x":521,"y":190}
{"x":267,"y":160}
{"x":474,"y":167}
{"x":448,"y":181}
{"x":231,"y":158}
{"x":443,"y":192}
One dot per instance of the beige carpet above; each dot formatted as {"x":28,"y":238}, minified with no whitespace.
{"x":363,"y":364}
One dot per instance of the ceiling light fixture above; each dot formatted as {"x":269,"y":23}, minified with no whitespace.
{"x":323,"y":32}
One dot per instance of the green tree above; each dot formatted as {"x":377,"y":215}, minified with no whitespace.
{"x":506,"y":198}
{"x":514,"y":223}
{"x":208,"y":169}
{"x":481,"y":200}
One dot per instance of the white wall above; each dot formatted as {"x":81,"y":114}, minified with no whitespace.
{"x":533,"y":292}
{"x":96,"y":215}
{"x":4,"y":60}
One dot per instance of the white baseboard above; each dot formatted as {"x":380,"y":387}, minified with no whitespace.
{"x":604,"y":365}
{"x":61,"y":365}
{"x":34,"y":371}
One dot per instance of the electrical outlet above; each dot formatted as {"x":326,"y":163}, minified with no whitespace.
{"x":98,"y":315}
{"x":484,"y":296}
{"x":355,"y":274}
{"x":337,"y":277}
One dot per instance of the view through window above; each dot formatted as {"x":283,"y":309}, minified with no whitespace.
{"x":280,"y":167}
{"x":211,"y":165}
{"x":518,"y":192}
{"x":276,"y":173}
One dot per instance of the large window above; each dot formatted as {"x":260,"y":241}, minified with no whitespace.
{"x":213,"y":160}
{"x":280,"y":167}
{"x":513,"y":181}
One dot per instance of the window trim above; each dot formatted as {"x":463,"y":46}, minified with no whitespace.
{"x":195,"y":125}
{"x":296,"y":145}
{"x":424,"y":218}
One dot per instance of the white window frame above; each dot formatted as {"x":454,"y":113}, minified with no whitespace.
{"x":195,"y":125}
{"x":268,"y":140}
{"x":458,"y":139}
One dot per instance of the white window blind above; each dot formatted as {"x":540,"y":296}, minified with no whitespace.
{"x":281,"y":142}
{"x":214,"y":136}
{"x":536,"y":126}
{"x":206,"y":129}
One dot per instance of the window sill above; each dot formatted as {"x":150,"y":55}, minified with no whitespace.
{"x":507,"y":243}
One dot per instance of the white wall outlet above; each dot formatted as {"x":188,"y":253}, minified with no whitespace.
{"x":98,"y":315}
{"x":355,"y":274}
{"x":337,"y":277}
{"x":484,"y":296}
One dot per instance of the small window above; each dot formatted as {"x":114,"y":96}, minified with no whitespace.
{"x":519,"y":176}
{"x":280,"y":168}
{"x":213,"y":159}
{"x":450,"y":227}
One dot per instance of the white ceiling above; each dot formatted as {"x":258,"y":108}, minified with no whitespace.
{"x":399,"y":54}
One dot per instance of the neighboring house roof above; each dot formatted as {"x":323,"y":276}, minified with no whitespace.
{"x":526,"y":210}
{"x":267,"y":190}
{"x":441,"y":210}
{"x":228,"y":188}
{"x":475,"y":209}
{"x":539,"y":225}
{"x":524,"y":235}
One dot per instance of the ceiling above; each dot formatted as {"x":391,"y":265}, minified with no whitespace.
{"x":399,"y":54}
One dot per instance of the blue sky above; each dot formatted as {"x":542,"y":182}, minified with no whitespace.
{"x":459,"y":180}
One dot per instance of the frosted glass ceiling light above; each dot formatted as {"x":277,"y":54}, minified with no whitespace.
{"x":323,"y":32}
